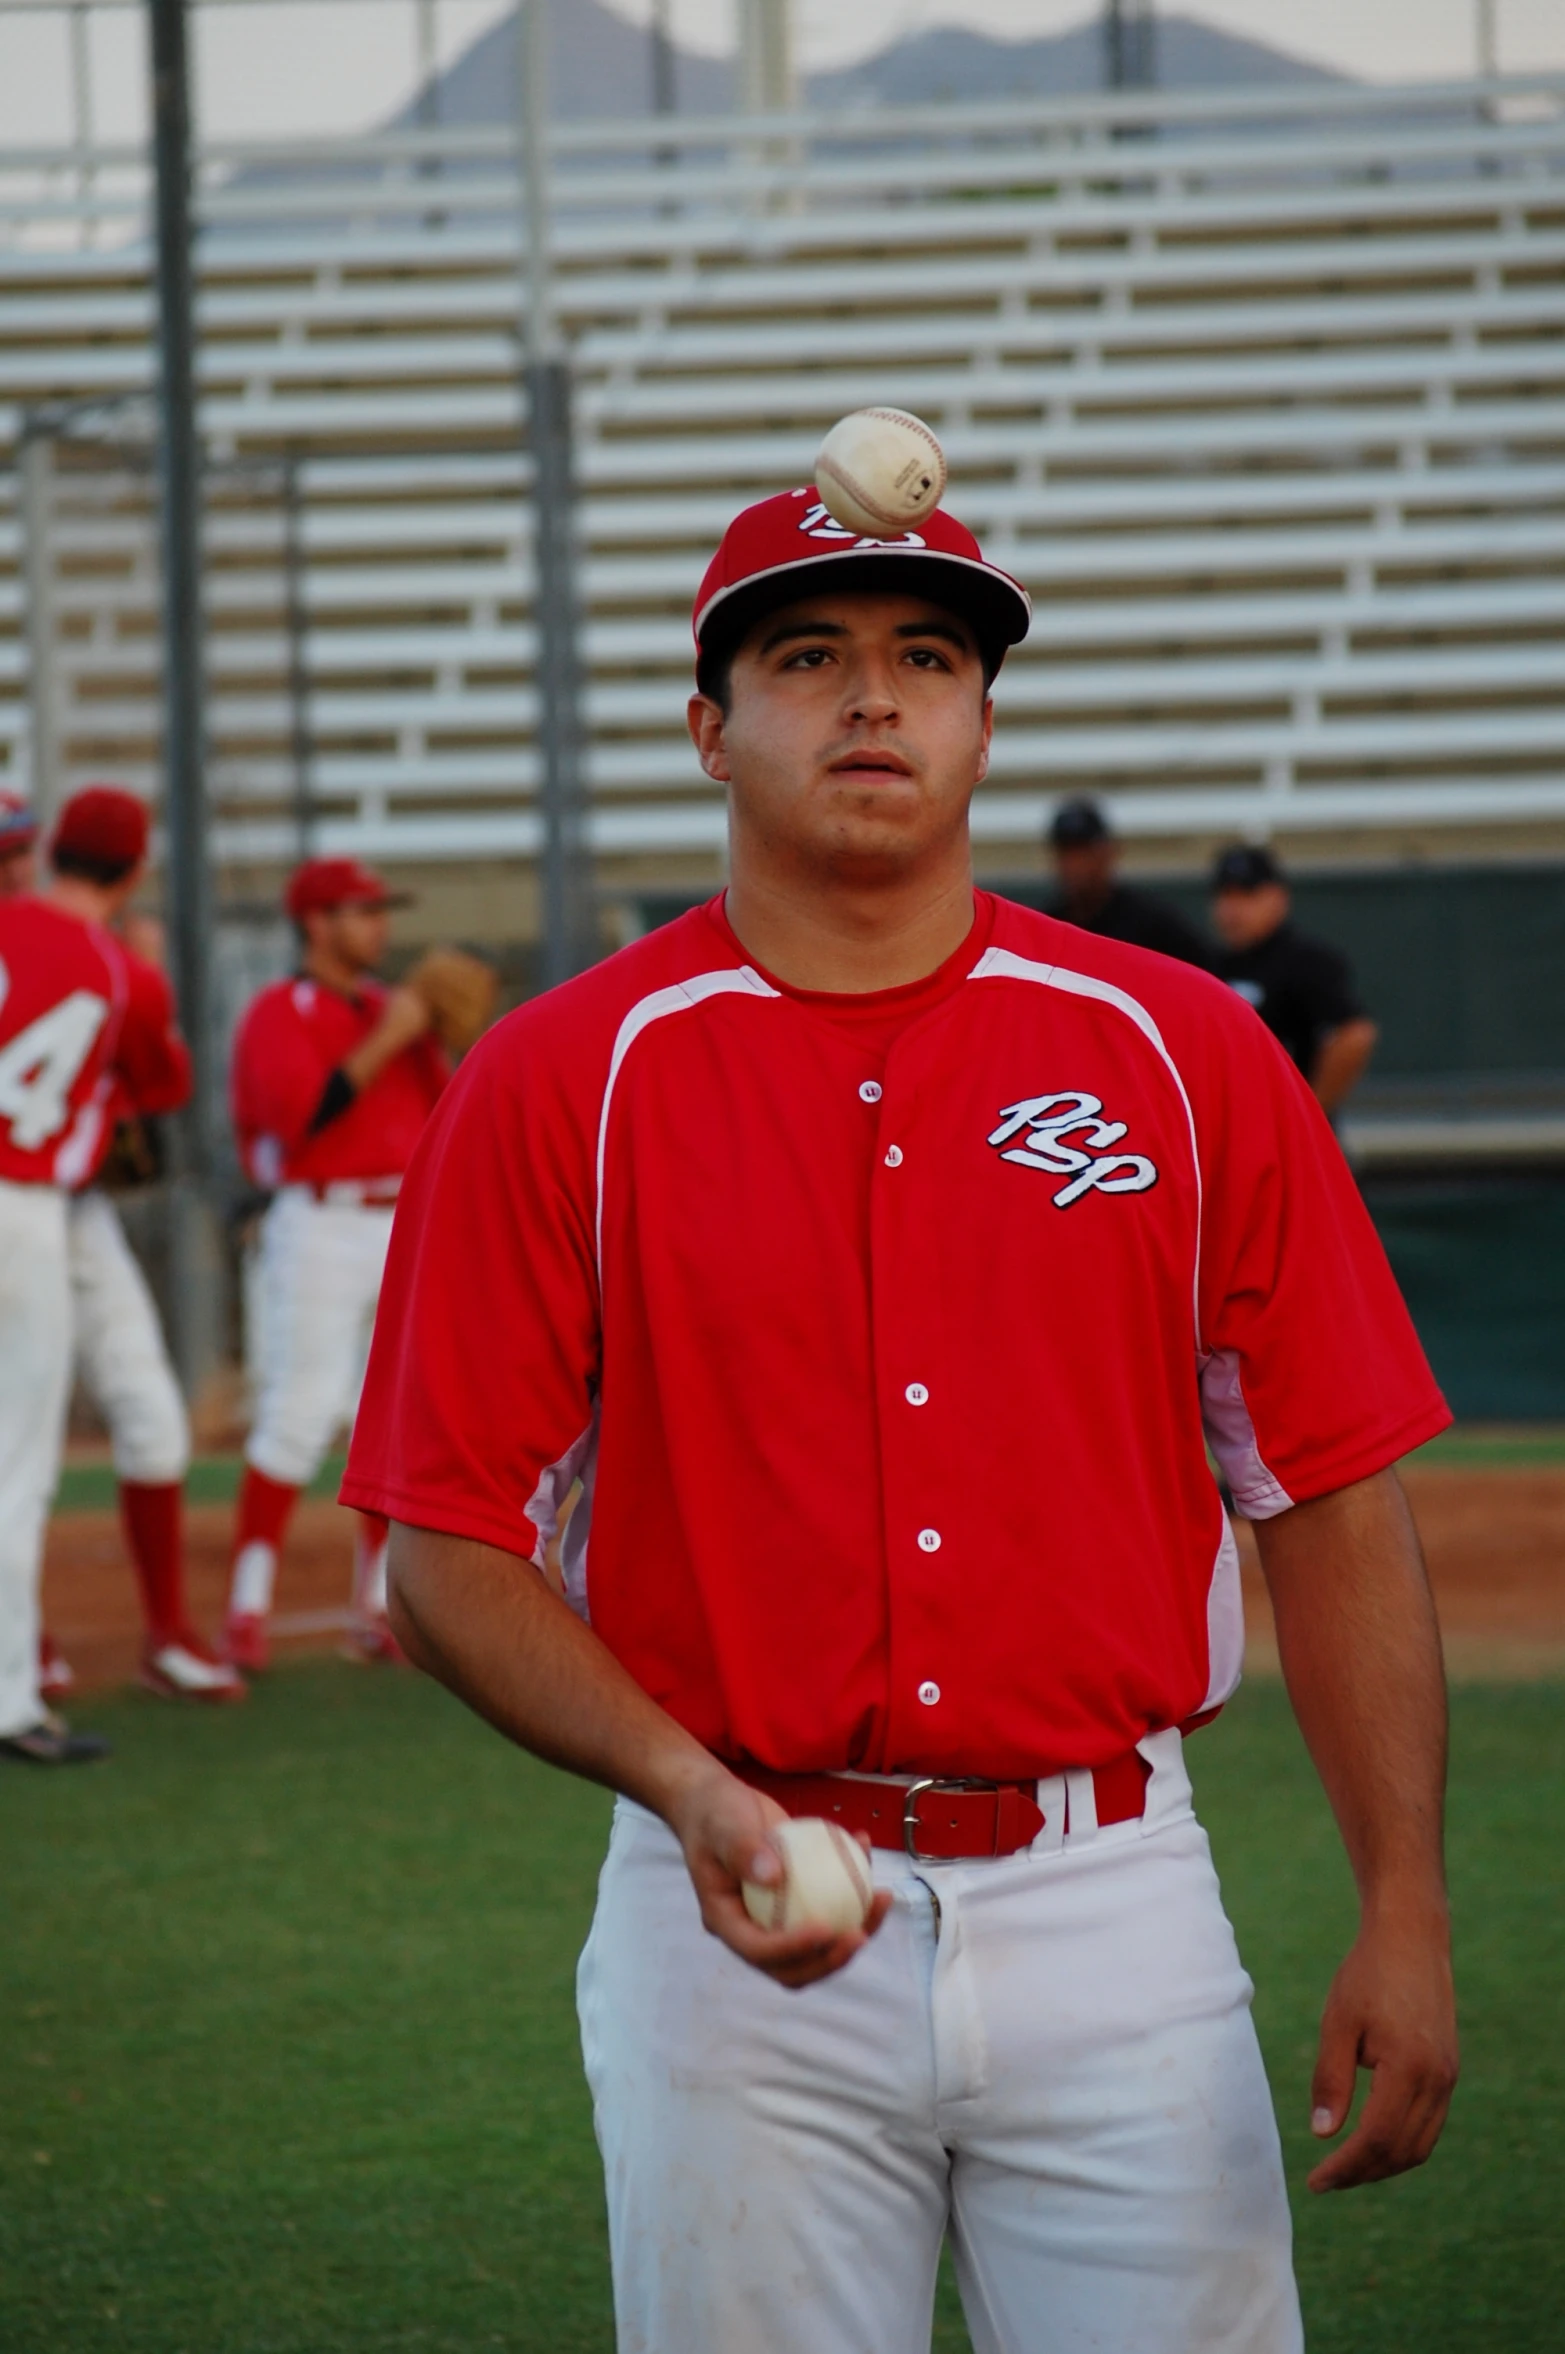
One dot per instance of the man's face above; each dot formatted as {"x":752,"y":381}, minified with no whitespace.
{"x":17,"y":871}
{"x":356,"y":934}
{"x":1086,"y":870}
{"x":857,"y":727}
{"x":1244,"y":918}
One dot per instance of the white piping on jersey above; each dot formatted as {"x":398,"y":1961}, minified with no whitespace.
{"x":1224,"y":1623}
{"x":1005,"y":964}
{"x":1230,"y":1433}
{"x":741,"y":980}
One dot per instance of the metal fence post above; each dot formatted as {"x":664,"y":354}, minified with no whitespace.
{"x":35,"y":470}
{"x":565,"y":877}
{"x":196,"y":1259}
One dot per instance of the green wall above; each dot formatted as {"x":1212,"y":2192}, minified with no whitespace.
{"x":1481,"y":1263}
{"x":1462,"y":967}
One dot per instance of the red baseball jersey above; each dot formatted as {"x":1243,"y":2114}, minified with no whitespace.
{"x":886,"y":1338}
{"x":87,"y":1033}
{"x":291,"y":1039}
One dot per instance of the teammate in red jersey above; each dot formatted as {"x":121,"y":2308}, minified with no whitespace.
{"x":82,"y":1023}
{"x":881,"y":1258}
{"x":119,"y":1351}
{"x":332,"y":1080}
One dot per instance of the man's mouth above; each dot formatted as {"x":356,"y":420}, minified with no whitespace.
{"x":871,"y":762}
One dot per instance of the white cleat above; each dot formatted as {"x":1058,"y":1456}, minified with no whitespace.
{"x":178,"y":1671}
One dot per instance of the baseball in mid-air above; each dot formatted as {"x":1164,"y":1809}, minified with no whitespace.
{"x":826,"y":1879}
{"x":880,"y":470}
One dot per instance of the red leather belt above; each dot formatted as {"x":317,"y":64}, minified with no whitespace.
{"x":938,"y":1819}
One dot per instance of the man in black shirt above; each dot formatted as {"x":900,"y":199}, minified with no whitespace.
{"x":1086,"y":858}
{"x":1302,"y":990}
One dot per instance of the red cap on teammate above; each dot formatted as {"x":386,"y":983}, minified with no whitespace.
{"x":103,"y":823}
{"x":791,"y":546}
{"x":18,"y":826}
{"x":324,"y":883}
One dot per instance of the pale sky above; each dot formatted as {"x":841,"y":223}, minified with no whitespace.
{"x":280,"y":66}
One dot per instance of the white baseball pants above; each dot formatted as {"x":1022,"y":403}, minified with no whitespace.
{"x":120,"y":1351}
{"x":1049,"y":2056}
{"x":35,"y":1364}
{"x":313,"y":1296}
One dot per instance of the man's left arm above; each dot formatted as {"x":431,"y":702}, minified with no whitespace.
{"x":1341,"y":1059}
{"x":1360,"y":1652}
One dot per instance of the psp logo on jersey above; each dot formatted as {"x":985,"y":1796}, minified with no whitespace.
{"x":1043,"y":1122}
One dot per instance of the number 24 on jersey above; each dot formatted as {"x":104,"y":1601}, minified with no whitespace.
{"x":39,"y":1066}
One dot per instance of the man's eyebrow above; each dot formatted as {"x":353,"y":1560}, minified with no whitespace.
{"x":786,"y":631}
{"x":801,"y":629}
{"x":950,"y":630}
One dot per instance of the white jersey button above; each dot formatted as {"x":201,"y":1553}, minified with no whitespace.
{"x":916,"y":1394}
{"x":893,"y":1156}
{"x":929,"y":1540}
{"x":929,"y":1694}
{"x":871,"y":1091}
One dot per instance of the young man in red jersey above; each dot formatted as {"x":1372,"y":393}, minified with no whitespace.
{"x":880,"y":1258}
{"x":333,"y":1077}
{"x":118,"y":1349}
{"x":85,"y":1026}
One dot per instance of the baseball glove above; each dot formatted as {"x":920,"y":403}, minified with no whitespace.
{"x":461,"y":992}
{"x":136,"y":1157}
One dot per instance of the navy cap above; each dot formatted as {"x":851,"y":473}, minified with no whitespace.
{"x":1245,"y":866}
{"x":1075,"y":824}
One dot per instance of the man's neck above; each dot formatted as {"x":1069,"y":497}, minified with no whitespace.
{"x":851,"y":940}
{"x":88,"y":902}
{"x":334,"y":972}
{"x":1081,"y":906}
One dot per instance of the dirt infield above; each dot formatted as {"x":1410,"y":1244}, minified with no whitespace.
{"x":90,"y":1603}
{"x":1495,"y":1539}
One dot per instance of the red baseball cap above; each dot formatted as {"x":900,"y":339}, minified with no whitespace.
{"x":104,"y":823}
{"x":792,"y":546}
{"x":18,"y":826}
{"x":325,"y":883}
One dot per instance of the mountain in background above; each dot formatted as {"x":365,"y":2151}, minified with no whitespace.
{"x":602,"y":67}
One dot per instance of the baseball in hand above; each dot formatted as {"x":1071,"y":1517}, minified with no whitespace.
{"x":826,"y":1879}
{"x":880,"y":470}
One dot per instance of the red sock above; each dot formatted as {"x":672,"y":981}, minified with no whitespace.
{"x":153,"y":1520}
{"x":264,"y":1509}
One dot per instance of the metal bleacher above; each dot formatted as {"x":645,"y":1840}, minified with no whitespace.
{"x":1263,"y":395}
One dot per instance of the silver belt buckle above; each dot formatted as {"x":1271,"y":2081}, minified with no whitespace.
{"x":915,"y":1791}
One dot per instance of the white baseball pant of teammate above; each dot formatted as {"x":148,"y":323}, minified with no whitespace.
{"x":35,"y":1368}
{"x":313,"y":1293}
{"x":120,"y":1351}
{"x":1058,"y":2045}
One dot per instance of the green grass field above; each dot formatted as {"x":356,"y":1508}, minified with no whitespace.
{"x":289,"y":2066}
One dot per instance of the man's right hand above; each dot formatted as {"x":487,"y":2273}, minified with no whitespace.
{"x":724,"y":1828}
{"x":493,"y":1630}
{"x":404,"y":1018}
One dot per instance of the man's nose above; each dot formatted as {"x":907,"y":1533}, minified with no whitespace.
{"x":872,"y":691}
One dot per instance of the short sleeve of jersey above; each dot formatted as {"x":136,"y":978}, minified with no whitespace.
{"x":1315,"y":1376}
{"x":278,"y":1073}
{"x":1327,"y":985}
{"x":151,"y":1061}
{"x":479,"y":1395}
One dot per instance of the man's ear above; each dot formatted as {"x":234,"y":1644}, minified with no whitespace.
{"x":988,"y":733}
{"x":706,"y":720}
